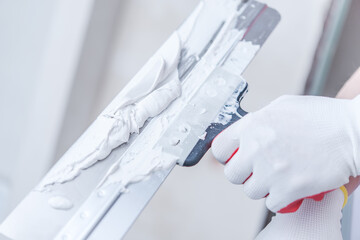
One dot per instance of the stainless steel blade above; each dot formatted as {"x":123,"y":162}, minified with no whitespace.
{"x":129,"y":206}
{"x":99,"y":215}
{"x":124,"y":210}
{"x":189,"y":117}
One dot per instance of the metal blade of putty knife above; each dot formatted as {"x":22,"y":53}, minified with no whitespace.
{"x":224,"y":38}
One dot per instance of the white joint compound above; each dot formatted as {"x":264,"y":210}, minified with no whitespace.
{"x":147,"y":95}
{"x":145,"y":158}
{"x":60,"y":203}
{"x":229,"y":109}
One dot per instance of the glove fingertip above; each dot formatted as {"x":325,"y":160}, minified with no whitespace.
{"x":224,"y":147}
{"x":273,"y":204}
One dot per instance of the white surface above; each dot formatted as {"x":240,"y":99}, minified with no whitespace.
{"x":22,"y":46}
{"x":41,"y":44}
{"x":54,"y":82}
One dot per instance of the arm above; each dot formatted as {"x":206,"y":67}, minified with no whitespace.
{"x":350,"y":90}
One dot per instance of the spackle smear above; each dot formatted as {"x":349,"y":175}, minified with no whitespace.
{"x":148,"y":94}
{"x":60,"y":203}
{"x":229,"y":109}
{"x":203,"y":136}
{"x":137,"y":168}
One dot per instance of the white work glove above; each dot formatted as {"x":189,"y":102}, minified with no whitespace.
{"x":314,"y":220}
{"x":295,"y":147}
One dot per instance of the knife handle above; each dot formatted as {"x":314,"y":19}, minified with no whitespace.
{"x":203,"y":145}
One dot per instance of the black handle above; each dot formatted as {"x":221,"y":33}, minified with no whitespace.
{"x":202,"y":146}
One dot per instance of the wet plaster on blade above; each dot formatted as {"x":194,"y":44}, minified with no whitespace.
{"x":203,"y":136}
{"x":137,"y":169}
{"x":228,"y":110}
{"x":60,"y":203}
{"x":118,"y":171}
{"x":148,"y":94}
{"x":202,"y":111}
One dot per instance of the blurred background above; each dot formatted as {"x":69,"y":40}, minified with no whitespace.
{"x":62,"y":62}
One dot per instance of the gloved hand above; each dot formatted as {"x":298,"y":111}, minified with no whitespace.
{"x":295,"y":147}
{"x":313,"y":220}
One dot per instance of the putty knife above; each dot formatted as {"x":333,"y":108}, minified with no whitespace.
{"x":237,"y":29}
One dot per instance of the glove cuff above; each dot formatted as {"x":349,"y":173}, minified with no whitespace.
{"x":355,"y":110}
{"x":314,"y":220}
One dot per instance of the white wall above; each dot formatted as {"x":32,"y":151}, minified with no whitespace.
{"x":24,"y":29}
{"x":41,"y":43}
{"x":283,"y":63}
